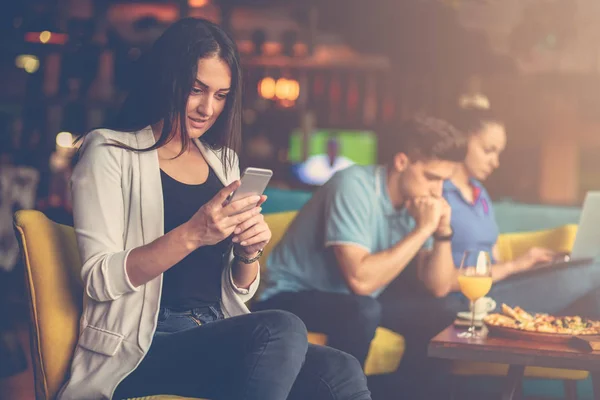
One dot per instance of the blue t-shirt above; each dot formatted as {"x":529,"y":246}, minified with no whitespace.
{"x":353,"y":207}
{"x":474,"y":224}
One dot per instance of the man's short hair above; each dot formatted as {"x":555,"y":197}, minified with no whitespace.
{"x":427,"y":138}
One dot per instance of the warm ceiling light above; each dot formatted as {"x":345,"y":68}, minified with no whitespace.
{"x":45,"y":36}
{"x":293,"y":90}
{"x":266,"y":88}
{"x":27,"y":62}
{"x":284,"y":90}
{"x":197,"y":3}
{"x":281,"y":88}
{"x":287,"y":89}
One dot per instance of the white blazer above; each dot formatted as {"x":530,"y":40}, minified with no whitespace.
{"x":117,"y":206}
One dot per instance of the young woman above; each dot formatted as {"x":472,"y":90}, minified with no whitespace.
{"x":473,"y":220}
{"x":167,"y":263}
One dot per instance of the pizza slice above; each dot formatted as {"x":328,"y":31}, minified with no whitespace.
{"x":516,"y":313}
{"x":523,"y":315}
{"x":500,"y":320}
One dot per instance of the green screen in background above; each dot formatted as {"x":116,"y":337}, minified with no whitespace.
{"x":358,"y":146}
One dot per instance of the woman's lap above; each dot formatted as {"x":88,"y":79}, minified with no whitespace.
{"x":258,"y":355}
{"x":204,"y":360}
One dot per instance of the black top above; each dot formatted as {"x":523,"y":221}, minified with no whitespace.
{"x":196,"y":280}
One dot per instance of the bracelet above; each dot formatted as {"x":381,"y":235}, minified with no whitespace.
{"x":246,"y":260}
{"x":443,"y":238}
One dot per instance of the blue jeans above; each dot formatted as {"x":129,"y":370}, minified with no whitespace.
{"x":348,"y":320}
{"x":261,"y":356}
{"x":418,"y":316}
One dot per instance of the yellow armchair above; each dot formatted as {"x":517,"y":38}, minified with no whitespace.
{"x":387,"y":346}
{"x":55,"y":294}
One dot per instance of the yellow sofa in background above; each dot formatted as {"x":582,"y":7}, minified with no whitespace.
{"x":513,"y":245}
{"x":387,"y":347}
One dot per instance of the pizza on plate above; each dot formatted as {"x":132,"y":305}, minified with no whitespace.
{"x":517,"y":318}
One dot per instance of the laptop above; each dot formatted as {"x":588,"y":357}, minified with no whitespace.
{"x":587,"y":241}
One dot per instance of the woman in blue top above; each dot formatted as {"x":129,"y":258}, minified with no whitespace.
{"x":473,"y":221}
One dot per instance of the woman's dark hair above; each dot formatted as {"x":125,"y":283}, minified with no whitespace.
{"x":472,"y":120}
{"x":166,"y":74}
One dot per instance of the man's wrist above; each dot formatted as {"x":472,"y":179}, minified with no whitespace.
{"x":443,"y":238}
{"x":425,"y":231}
{"x":445,"y":230}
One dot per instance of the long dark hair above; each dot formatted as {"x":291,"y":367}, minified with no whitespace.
{"x":161,"y":87}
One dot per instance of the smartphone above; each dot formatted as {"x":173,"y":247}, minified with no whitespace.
{"x":254,"y":181}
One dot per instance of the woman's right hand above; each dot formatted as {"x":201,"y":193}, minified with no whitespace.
{"x":215,"y":220}
{"x":533,"y":256}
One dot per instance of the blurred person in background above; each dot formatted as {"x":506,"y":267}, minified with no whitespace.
{"x":319,"y":168}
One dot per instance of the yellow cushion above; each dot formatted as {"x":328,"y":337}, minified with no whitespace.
{"x":513,"y":245}
{"x":278,"y":223}
{"x":385,"y":352}
{"x":491,"y":369}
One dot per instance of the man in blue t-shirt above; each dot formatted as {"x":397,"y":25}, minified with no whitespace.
{"x":361,"y":230}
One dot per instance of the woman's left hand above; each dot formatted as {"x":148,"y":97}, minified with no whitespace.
{"x":252,"y":235}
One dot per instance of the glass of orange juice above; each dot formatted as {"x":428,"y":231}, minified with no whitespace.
{"x":475,"y":281}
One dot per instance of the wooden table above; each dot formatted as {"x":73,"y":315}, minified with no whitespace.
{"x":516,"y":353}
